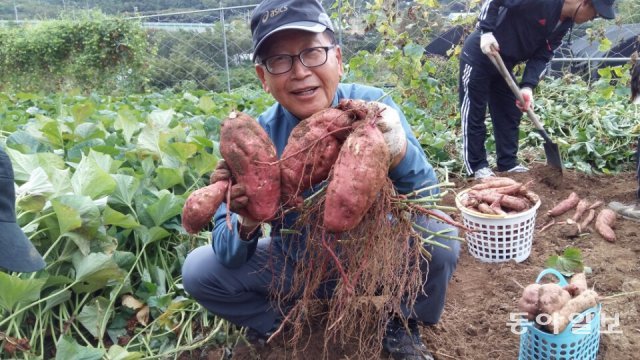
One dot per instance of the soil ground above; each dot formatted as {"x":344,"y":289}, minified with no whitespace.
{"x":481,"y":296}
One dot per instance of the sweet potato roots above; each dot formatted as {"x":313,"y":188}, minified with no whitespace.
{"x":251,"y":155}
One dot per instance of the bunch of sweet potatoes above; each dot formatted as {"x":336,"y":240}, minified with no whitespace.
{"x":312,"y":149}
{"x":553,"y":307}
{"x":584,"y":214}
{"x":343,"y":145}
{"x":499,"y":196}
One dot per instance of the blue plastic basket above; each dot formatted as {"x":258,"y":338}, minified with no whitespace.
{"x":579,"y":341}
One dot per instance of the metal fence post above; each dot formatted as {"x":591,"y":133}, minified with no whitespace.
{"x":226,"y":53}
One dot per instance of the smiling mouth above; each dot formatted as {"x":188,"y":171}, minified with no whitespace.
{"x":307,"y":91}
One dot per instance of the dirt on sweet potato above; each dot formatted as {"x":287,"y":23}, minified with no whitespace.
{"x":312,"y":149}
{"x":357,"y":177}
{"x":201,"y":205}
{"x":251,"y":156}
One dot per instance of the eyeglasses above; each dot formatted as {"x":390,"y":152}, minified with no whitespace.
{"x":311,"y":57}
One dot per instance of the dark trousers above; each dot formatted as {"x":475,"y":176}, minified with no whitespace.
{"x":241,"y":295}
{"x":480,"y":85}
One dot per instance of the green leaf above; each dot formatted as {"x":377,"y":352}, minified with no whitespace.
{"x":125,"y":190}
{"x":167,"y":206}
{"x":605,"y":44}
{"x":207,"y":104}
{"x":152,"y":235}
{"x":181,"y":151}
{"x":95,"y":271}
{"x":78,"y":218}
{"x":569,"y":263}
{"x":167,"y":177}
{"x":33,"y":195}
{"x":113,"y":217}
{"x":413,"y":50}
{"x":68,"y":349}
{"x":16,"y":290}
{"x":119,"y":353}
{"x":56,"y":300}
{"x":128,"y":122}
{"x":25,"y":164}
{"x":91,"y":179}
{"x":93,"y":314}
{"x":203,"y":163}
{"x":82,"y":111}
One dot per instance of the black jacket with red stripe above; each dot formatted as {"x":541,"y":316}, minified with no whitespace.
{"x":526,"y":30}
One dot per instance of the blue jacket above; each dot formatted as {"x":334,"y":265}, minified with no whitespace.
{"x":527,"y":31}
{"x":414,"y":172}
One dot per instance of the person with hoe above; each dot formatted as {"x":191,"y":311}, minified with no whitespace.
{"x":17,"y":252}
{"x":526,"y":31}
{"x":632,"y":211}
{"x":300,"y":64}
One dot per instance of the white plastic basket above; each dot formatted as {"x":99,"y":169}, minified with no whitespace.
{"x":498,"y":238}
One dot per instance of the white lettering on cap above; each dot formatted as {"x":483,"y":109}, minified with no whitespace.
{"x":273,"y":13}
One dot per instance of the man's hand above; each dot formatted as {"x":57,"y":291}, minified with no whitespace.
{"x":238,"y":196}
{"x":527,"y":95}
{"x":393,"y":133}
{"x":489,"y":44}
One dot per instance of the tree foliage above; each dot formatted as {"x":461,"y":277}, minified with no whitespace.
{"x":95,"y":53}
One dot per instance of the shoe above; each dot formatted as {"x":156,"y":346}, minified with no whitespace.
{"x":518,"y":169}
{"x":629,"y":212}
{"x":485,"y":172}
{"x":404,"y":342}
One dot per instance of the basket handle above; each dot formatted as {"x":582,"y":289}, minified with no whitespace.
{"x":562,"y":281}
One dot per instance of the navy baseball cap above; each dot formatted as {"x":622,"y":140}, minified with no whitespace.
{"x":272,"y":16}
{"x":17,"y":253}
{"x":604,"y":8}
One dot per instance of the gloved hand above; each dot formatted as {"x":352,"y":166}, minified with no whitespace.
{"x":489,"y":44}
{"x":527,"y":95}
{"x":393,"y":133}
{"x":238,"y":196}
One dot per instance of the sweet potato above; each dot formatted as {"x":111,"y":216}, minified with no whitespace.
{"x":587,"y":219}
{"x":529,"y":300}
{"x":506,"y":201}
{"x":582,"y":206}
{"x":552,"y":298}
{"x":201,"y":205}
{"x":312,"y":149}
{"x":561,"y":318}
{"x":605,"y":221}
{"x":358,"y":175}
{"x":579,"y":280}
{"x":565,"y":205}
{"x":493,"y":182}
{"x":251,"y":157}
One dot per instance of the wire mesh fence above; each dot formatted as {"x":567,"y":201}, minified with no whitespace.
{"x":207,"y":44}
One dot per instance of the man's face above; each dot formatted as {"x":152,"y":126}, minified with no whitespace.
{"x":586,"y":13}
{"x":302,"y":90}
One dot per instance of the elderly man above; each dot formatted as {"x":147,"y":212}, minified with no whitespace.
{"x":299,"y":63}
